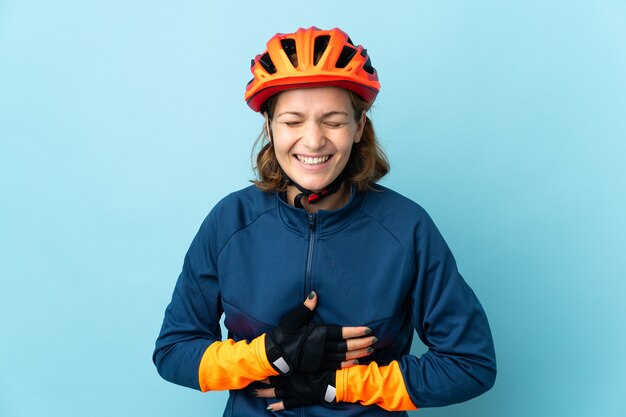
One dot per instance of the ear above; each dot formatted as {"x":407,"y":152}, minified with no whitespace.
{"x":360,"y":127}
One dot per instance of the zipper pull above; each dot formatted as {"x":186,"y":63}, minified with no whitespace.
{"x":311,"y":222}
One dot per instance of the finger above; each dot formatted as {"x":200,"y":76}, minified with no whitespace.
{"x":311,"y":301}
{"x":300,"y":315}
{"x":289,"y":403}
{"x":337,"y":347}
{"x":361,"y":342}
{"x":265,"y":381}
{"x":337,"y":358}
{"x":276,"y":407}
{"x":348,"y":364}
{"x":359,"y":353}
{"x":296,"y":318}
{"x":350,"y":332}
{"x":280,"y":393}
{"x":334,"y":365}
{"x":331,"y":365}
{"x":278,"y":381}
{"x":334,"y":332}
{"x":264,"y":393}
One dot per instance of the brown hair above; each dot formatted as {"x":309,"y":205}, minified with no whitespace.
{"x":367,"y":163}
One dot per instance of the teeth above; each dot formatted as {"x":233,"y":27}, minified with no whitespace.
{"x":312,"y":161}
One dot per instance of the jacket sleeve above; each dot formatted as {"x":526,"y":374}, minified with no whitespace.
{"x":460,"y":362}
{"x":189,"y":350}
{"x":373,"y":384}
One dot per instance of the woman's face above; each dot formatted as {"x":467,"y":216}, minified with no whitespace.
{"x":313,"y":130}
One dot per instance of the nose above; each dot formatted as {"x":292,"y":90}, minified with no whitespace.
{"x":313,"y":136}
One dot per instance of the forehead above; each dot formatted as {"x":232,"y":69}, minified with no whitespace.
{"x":314,"y":100}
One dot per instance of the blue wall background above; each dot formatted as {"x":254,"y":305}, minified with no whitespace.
{"x":122,"y":124}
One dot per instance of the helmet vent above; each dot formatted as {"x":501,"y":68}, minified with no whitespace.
{"x":347,"y":53}
{"x":367,"y":67}
{"x":321,"y":42}
{"x":267,"y":64}
{"x":289,"y":46}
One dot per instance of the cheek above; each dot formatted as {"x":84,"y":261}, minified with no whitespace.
{"x":281,"y":142}
{"x":282,"y":154}
{"x":347,"y":140}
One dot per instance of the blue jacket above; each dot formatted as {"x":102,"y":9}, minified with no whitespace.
{"x":379,"y":261}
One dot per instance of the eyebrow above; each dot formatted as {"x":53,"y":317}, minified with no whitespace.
{"x":330,"y":113}
{"x":294,"y":113}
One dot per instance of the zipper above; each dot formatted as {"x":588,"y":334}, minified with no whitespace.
{"x":307,"y":274}
{"x":309,"y":257}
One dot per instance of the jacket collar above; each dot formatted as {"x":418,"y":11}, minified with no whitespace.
{"x":326,"y":221}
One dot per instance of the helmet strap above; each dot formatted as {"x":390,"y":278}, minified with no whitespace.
{"x":312,"y":196}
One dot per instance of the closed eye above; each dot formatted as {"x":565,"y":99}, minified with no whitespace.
{"x":291,"y":124}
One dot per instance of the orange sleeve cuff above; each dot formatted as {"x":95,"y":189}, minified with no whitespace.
{"x":371,"y":384}
{"x":229,"y":365}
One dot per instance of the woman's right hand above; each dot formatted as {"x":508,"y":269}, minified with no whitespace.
{"x":298,"y":345}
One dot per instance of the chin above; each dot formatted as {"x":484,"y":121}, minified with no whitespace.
{"x":314,"y":185}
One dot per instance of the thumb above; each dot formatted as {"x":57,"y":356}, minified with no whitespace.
{"x":311,"y":301}
{"x":300,"y":315}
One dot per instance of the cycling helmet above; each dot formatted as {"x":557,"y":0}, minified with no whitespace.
{"x":311,"y":58}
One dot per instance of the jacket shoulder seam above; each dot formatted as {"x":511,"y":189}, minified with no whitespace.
{"x":407,"y":253}
{"x":245,"y":226}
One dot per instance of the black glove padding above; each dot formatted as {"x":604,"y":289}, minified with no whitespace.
{"x":298,"y":345}
{"x":298,"y":390}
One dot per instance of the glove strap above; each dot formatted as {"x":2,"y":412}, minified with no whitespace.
{"x":330,"y":396}
{"x":276,"y":356}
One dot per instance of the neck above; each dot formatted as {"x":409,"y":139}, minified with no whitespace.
{"x":332,"y":202}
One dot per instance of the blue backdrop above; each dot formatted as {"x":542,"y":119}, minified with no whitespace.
{"x":122,"y":123}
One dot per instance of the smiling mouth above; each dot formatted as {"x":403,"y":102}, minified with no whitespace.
{"x":307,"y":160}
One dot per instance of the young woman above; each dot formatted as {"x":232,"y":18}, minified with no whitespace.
{"x":370,"y":264}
